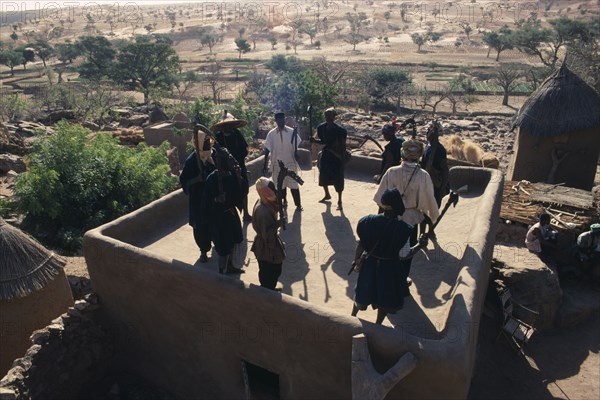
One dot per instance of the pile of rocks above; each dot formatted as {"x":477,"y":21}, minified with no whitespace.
{"x":70,"y":353}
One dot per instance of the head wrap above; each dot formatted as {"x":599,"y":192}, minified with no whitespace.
{"x":389,"y":128}
{"x":267,"y":192}
{"x":392,"y":199}
{"x":595,"y":228}
{"x":412,"y":150}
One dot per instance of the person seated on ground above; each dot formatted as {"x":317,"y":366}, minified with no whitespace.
{"x":588,"y":247}
{"x":392,"y":152}
{"x":267,"y":247}
{"x":541,"y":238}
{"x":223,"y":193}
{"x":383,"y":246}
{"x":589,"y":242}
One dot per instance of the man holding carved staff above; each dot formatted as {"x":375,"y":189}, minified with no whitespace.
{"x":281,"y":144}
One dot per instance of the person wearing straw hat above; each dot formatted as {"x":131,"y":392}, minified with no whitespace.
{"x":267,"y":247}
{"x":198,"y":166}
{"x":383,"y":245}
{"x":229,"y":136}
{"x":414,"y":184}
{"x":281,"y":144}
{"x":331,"y":159}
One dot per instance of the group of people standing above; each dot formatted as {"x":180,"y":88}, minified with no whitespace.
{"x":409,"y":193}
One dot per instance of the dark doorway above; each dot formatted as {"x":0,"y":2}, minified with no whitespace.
{"x":260,"y":383}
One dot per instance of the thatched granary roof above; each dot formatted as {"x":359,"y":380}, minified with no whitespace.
{"x":563,"y":103}
{"x":25,"y":265}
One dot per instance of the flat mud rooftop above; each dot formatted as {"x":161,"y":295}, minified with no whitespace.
{"x":320,"y":243}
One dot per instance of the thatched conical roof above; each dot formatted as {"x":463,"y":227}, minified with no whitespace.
{"x":563,"y":103}
{"x":25,"y":265}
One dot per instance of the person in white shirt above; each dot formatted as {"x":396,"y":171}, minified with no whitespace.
{"x":541,"y":237}
{"x":416,"y":188}
{"x":281,"y":144}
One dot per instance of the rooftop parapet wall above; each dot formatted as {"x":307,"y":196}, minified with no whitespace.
{"x":188,"y":329}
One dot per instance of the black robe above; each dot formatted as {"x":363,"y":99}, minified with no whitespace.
{"x":331,"y":166}
{"x":226,"y":227}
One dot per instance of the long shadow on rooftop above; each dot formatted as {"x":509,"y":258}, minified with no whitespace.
{"x":339,"y":233}
{"x":295,"y":266}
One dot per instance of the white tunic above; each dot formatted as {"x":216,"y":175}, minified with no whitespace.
{"x":280,"y":146}
{"x":417,"y":193}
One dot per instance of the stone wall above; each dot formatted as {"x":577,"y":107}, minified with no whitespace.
{"x":70,"y":353}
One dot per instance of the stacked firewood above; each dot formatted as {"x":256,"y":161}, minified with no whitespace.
{"x":571,"y":209}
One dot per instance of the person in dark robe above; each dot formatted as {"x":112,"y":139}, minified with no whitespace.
{"x":193,"y":177}
{"x":222,"y":195}
{"x":392,"y":153}
{"x":267,"y":247}
{"x":331,"y":159}
{"x":384,"y":244}
{"x":435,"y":162}
{"x":229,"y":136}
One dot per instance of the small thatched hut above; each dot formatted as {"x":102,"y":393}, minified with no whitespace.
{"x":559,"y":133}
{"x":33,"y":291}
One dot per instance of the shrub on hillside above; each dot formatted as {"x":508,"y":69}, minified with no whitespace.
{"x":76,"y":182}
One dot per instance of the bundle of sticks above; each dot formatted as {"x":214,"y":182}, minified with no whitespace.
{"x":523,"y":202}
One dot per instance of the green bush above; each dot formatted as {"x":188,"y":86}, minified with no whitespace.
{"x":12,"y":106}
{"x":75,"y":183}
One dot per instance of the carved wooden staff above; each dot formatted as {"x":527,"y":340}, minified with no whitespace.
{"x":283,"y":173}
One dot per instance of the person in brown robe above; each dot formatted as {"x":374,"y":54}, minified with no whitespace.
{"x":267,"y":247}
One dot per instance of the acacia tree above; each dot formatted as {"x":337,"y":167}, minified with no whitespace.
{"x":99,"y":55}
{"x":209,"y":38}
{"x":507,"y":78}
{"x":147,"y":67}
{"x":11,"y":59}
{"x":28,"y":55}
{"x":389,"y":84}
{"x":242,"y":46}
{"x":357,"y":23}
{"x":44,"y":50}
{"x":532,"y":39}
{"x":419,"y":40}
{"x":499,"y":40}
{"x":424,"y":97}
{"x":467,"y":29}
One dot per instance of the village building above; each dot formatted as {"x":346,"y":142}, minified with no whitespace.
{"x":33,"y":291}
{"x":558,"y":139}
{"x":199,"y":334}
